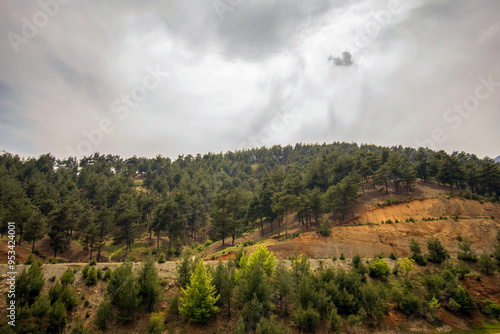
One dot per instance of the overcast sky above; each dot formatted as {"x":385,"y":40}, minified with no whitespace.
{"x":192,"y":76}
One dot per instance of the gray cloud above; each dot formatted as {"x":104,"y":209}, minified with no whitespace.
{"x":345,"y":60}
{"x":256,"y":76}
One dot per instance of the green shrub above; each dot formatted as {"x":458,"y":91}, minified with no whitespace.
{"x":306,"y":319}
{"x":37,"y":252}
{"x":393,"y":256}
{"x":491,"y":309}
{"x":416,"y":253}
{"x":409,"y":304}
{"x":334,"y":320}
{"x":107,"y":275}
{"x":52,"y":278}
{"x":68,"y":277}
{"x":334,"y":258}
{"x":155,"y":324}
{"x":466,"y":253}
{"x":208,"y":243}
{"x":486,"y":264}
{"x":326,"y":227}
{"x":271,"y":326}
{"x":93,"y":262}
{"x":379,"y":268}
{"x":91,"y":278}
{"x":103,"y":314}
{"x":462,"y":269}
{"x":29,"y":260}
{"x":99,"y":273}
{"x":462,"y":297}
{"x":57,"y":317}
{"x":357,"y":319}
{"x":437,"y":252}
{"x":342,"y":257}
{"x":161,"y":259}
{"x":85,"y":271}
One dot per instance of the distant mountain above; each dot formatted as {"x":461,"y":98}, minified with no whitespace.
{"x":497,"y":159}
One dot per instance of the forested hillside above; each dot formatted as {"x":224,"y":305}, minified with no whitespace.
{"x":216,"y":196}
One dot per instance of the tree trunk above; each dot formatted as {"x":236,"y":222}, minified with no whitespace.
{"x":286,"y":223}
{"x":169,"y":243}
{"x":261,"y":226}
{"x":158,"y":240}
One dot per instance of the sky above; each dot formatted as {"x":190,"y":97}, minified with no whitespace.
{"x":185,"y":77}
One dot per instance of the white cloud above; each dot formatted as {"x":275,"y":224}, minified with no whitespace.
{"x":260,"y":76}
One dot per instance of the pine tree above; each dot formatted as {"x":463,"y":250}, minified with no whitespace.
{"x":149,"y":284}
{"x":199,"y":298}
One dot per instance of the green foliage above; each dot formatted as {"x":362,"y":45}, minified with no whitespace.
{"x":486,"y":264}
{"x":342,"y":257}
{"x":92,"y":262}
{"x":41,"y":306}
{"x":379,"y":268}
{"x":107,"y":275}
{"x":65,"y":294}
{"x":284,"y":284}
{"x":416,"y":253}
{"x":356,"y":320}
{"x":466,"y":253}
{"x":492,"y":309}
{"x":184,"y":270}
{"x":409,"y":304}
{"x":29,"y":284}
{"x":91,"y":277}
{"x":29,"y":260}
{"x":306,"y":319}
{"x":161,"y":258}
{"x":301,"y":267}
{"x":358,"y":266}
{"x":173,"y":307}
{"x":437,"y":252}
{"x":326,"y":227}
{"x":271,"y":326}
{"x":199,"y":298}
{"x":68,"y":277}
{"x":462,"y":269}
{"x":224,"y":282}
{"x":103,"y":314}
{"x":462,"y":297}
{"x":260,"y":256}
{"x":433,"y":284}
{"x":155,"y":324}
{"x":85,"y":271}
{"x":393,"y":256}
{"x":124,"y":291}
{"x":149,"y":283}
{"x":57,"y":317}
{"x":240,"y":326}
{"x":334,"y":320}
